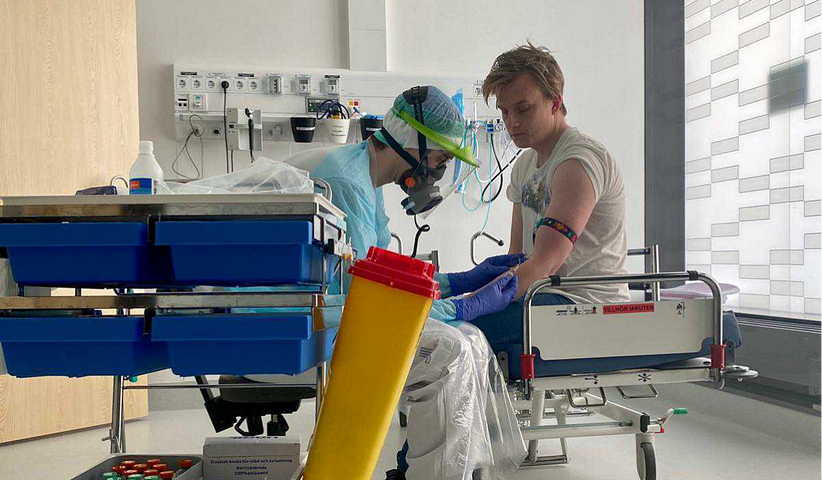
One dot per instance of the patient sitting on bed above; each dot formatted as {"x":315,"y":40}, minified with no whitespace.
{"x":569,"y":200}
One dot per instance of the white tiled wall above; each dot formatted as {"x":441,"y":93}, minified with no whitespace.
{"x":752,"y":147}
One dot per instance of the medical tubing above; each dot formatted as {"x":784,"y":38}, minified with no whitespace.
{"x":516,"y":157}
{"x":193,"y":133}
{"x":224,"y":85}
{"x":250,"y":135}
{"x":464,"y":191}
{"x":489,"y":137}
{"x":491,"y":152}
{"x":174,"y":163}
{"x":499,"y":175}
{"x":487,"y":216}
{"x":420,"y":230}
{"x":332,"y":104}
{"x":500,"y":169}
{"x":320,"y":110}
{"x":468,"y":183}
{"x":488,"y":204}
{"x":201,"y":170}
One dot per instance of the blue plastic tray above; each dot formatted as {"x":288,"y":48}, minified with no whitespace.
{"x":84,"y":254}
{"x":79,"y":346}
{"x":269,"y":343}
{"x":273,"y":252}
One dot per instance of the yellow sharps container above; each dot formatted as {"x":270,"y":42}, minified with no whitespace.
{"x":385,"y":311}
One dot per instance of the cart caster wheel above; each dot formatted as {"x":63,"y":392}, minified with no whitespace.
{"x":647,"y":462}
{"x":403,"y":420}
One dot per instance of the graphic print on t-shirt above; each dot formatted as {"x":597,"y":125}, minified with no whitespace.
{"x":535,"y":193}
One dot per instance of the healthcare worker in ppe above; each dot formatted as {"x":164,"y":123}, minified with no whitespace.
{"x":460,"y":417}
{"x":421,"y":134}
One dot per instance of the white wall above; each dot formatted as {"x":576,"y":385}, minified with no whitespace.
{"x":600,"y":48}
{"x":598,"y":44}
{"x":227,"y":34}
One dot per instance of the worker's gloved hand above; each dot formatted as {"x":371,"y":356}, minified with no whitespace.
{"x":489,"y":269}
{"x":491,"y":298}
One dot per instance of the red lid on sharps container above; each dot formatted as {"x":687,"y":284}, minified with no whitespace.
{"x":397,"y":271}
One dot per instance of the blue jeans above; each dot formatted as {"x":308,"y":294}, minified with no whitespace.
{"x":501,"y":329}
{"x":402,"y":463}
{"x":505,"y":328}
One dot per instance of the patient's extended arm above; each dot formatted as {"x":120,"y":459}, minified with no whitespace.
{"x":572,"y":201}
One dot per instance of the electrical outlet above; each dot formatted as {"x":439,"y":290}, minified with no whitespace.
{"x":332,"y":85}
{"x":239,"y":84}
{"x":181,"y":102}
{"x":197,"y":83}
{"x":275,"y":84}
{"x":477,"y":89}
{"x":182,"y":84}
{"x":304,"y":84}
{"x":197,"y":102}
{"x":254,"y":85}
{"x":212,"y":84}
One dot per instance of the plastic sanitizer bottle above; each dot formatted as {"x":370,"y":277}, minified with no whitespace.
{"x":146,"y":173}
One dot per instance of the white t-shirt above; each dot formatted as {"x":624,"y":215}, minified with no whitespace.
{"x":603,"y":246}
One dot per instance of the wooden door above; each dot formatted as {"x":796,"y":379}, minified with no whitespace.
{"x":68,"y":120}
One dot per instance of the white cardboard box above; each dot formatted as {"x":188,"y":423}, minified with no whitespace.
{"x":264,"y":458}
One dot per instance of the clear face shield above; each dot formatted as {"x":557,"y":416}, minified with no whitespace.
{"x":454,"y":174}
{"x":432,"y":180}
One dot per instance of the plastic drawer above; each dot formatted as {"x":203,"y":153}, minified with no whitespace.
{"x":79,"y":346}
{"x":237,"y":253}
{"x":243,"y":344}
{"x":84,"y":254}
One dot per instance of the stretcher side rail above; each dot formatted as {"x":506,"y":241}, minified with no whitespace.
{"x":717,"y":348}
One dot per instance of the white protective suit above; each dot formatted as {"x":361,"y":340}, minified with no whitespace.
{"x":460,"y":416}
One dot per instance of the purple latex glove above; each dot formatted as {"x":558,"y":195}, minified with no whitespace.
{"x":488,"y":270}
{"x":491,"y":298}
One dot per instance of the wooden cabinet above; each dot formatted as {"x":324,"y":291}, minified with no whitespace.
{"x":68,"y":120}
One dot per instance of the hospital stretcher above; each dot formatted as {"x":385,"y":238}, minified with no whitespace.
{"x":164,"y":247}
{"x":571,"y":354}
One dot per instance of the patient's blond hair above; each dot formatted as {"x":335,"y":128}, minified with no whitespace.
{"x":528,"y":58}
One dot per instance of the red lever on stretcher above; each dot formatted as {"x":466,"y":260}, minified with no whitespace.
{"x":718,"y":356}
{"x":526,"y":366}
